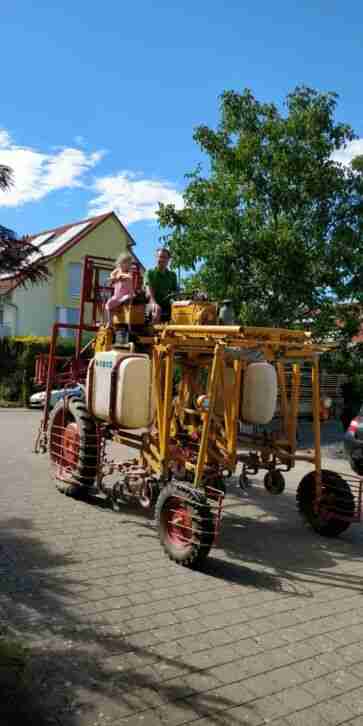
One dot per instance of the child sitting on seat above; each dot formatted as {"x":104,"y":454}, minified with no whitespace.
{"x":122,"y":282}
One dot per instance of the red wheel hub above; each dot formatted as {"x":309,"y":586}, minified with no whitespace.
{"x":70,"y":445}
{"x":179,"y":524}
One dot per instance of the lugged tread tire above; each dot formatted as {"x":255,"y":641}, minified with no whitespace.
{"x":274,"y":482}
{"x":85,"y":468}
{"x":184,"y":497}
{"x":333,"y":485}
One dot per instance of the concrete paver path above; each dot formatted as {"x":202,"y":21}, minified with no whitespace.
{"x":270,"y":632}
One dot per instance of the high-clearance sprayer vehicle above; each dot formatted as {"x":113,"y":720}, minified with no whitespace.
{"x":178,"y":393}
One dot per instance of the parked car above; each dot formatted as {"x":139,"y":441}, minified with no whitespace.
{"x":37,"y":400}
{"x":353,"y":443}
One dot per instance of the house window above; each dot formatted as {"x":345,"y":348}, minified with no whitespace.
{"x":104,"y":277}
{"x":74,"y":279}
{"x":69,"y":316}
{"x":73,"y":315}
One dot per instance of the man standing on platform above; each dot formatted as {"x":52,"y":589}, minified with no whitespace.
{"x":160,"y":284}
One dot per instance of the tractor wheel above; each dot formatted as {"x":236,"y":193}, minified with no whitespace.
{"x":185,"y":524}
{"x":274,"y":482}
{"x":73,"y":447}
{"x":337,"y":499}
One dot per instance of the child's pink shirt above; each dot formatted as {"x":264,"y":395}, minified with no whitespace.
{"x":122,"y":287}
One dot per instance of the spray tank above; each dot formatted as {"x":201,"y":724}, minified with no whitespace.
{"x":118,"y":388}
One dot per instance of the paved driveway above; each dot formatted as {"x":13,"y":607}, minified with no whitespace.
{"x":271,"y":631}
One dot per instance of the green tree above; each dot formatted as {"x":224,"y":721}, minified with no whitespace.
{"x":274,"y":223}
{"x":18,"y":256}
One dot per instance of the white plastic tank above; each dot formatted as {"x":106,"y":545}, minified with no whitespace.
{"x":131,"y":406}
{"x":259,"y":396}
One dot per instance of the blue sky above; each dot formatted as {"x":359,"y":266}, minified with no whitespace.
{"x":99,"y":100}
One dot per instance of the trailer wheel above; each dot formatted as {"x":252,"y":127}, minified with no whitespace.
{"x":337,"y":499}
{"x":243,"y":479}
{"x":274,"y":482}
{"x":185,"y":524}
{"x":73,"y":447}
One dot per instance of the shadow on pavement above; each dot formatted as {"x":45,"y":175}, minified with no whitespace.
{"x":83,"y":674}
{"x":271,"y":547}
{"x":86,"y":671}
{"x":81,"y":671}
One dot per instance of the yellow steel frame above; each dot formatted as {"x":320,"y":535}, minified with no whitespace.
{"x":218,"y":348}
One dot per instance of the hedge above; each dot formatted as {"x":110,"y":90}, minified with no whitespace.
{"x":17,"y":364}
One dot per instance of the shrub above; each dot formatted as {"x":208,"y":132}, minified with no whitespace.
{"x":17,"y":364}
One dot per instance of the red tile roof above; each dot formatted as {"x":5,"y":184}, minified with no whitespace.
{"x":57,"y":231}
{"x":86,"y":224}
{"x":81,"y":229}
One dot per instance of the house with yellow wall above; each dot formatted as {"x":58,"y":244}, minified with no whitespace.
{"x":32,"y":310}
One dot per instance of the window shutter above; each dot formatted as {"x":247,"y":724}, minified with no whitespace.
{"x":74,"y":279}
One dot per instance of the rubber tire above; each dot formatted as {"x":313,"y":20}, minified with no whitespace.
{"x":357,"y":465}
{"x":197,"y":551}
{"x":243,"y":481}
{"x":86,"y":469}
{"x":273,"y":479}
{"x":305,"y":499}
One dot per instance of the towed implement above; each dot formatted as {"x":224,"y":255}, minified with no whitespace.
{"x":193,"y":399}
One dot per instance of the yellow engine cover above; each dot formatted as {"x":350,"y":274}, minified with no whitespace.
{"x":128,"y":314}
{"x":190,"y":312}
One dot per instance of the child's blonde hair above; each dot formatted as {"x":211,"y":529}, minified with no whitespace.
{"x":124,"y":257}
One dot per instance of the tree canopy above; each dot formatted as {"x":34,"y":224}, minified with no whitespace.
{"x":18,"y":256}
{"x":274,"y":223}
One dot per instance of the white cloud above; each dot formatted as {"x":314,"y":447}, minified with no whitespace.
{"x":345,"y":156}
{"x":4,"y":138}
{"x":134,"y":199}
{"x":36,"y":174}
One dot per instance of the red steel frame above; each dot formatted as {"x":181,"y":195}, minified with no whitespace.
{"x":76,"y":367}
{"x":86,"y":287}
{"x":90,"y":290}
